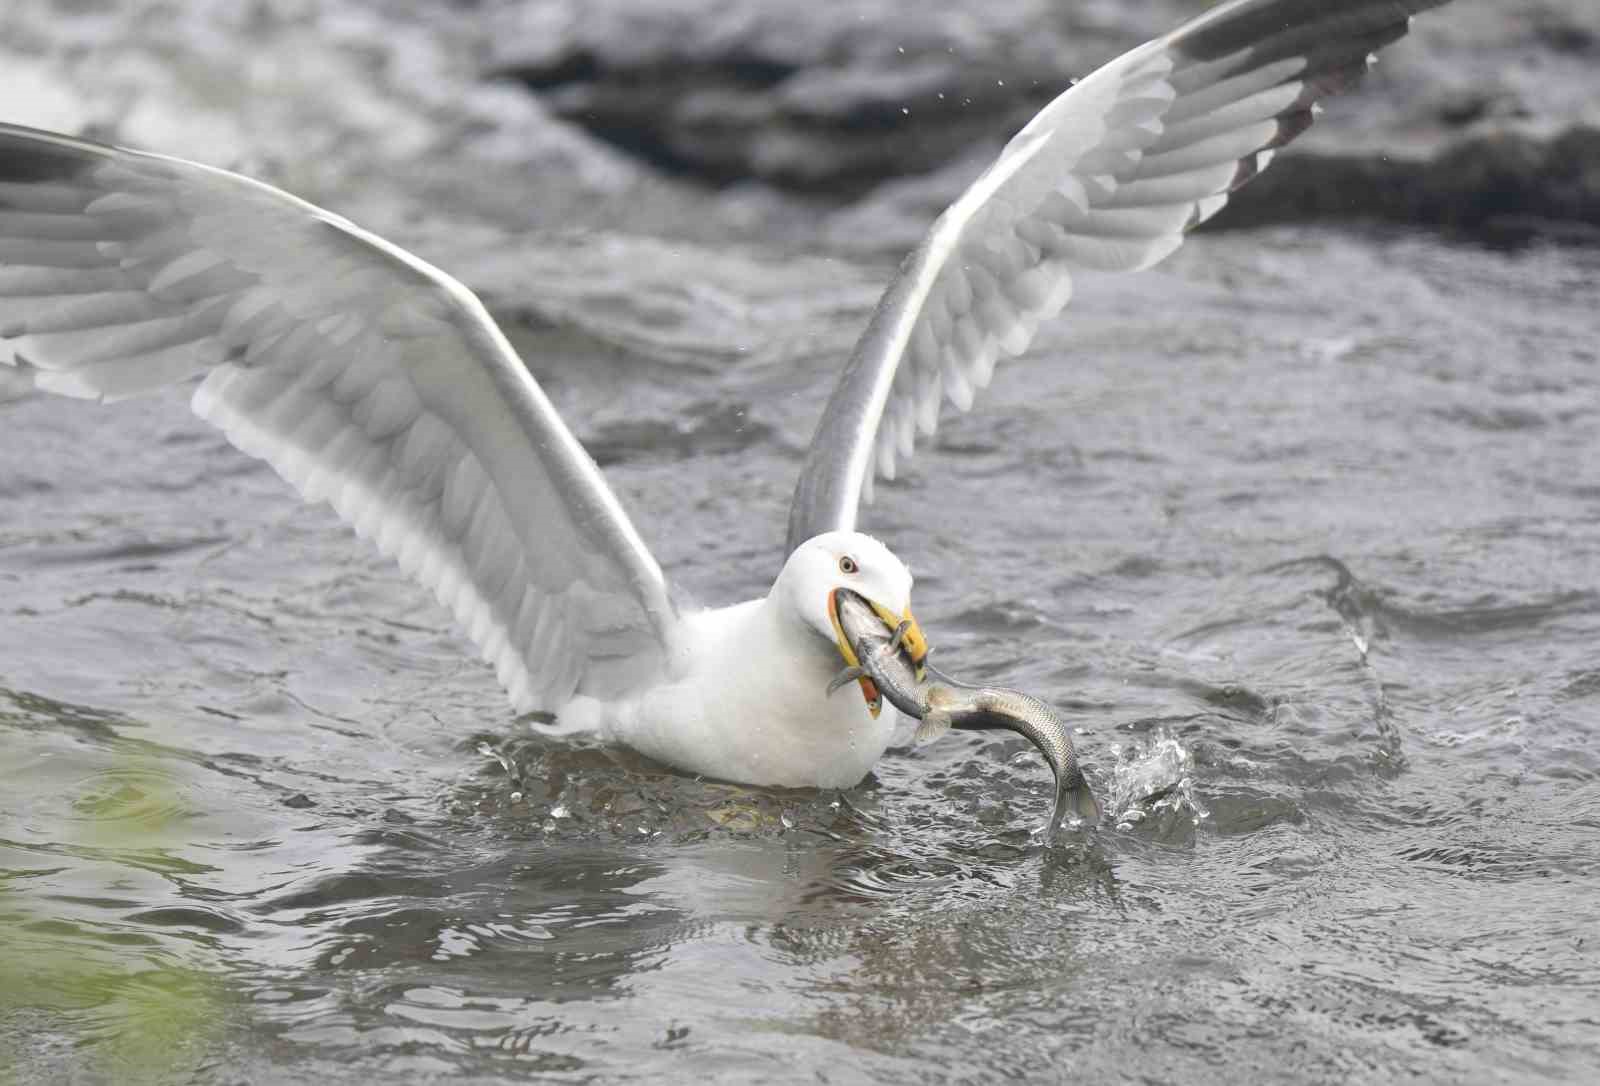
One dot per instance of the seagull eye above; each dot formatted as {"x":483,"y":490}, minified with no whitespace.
{"x":848,"y":565}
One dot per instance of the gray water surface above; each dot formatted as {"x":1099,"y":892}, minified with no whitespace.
{"x":1313,"y":569}
{"x":1301,"y":530}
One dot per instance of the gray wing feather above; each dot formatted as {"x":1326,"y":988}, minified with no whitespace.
{"x":1109,"y":176}
{"x":366,"y":377}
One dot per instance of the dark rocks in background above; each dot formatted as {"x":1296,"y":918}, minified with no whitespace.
{"x":1480,"y":120}
{"x":1502,"y":186}
{"x":1563,"y":32}
{"x":1491,"y":181}
{"x":743,"y":118}
{"x":820,"y":100}
{"x":848,"y":124}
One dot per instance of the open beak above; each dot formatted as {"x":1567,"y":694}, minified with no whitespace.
{"x":913,"y":642}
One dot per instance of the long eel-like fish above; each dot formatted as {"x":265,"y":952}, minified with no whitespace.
{"x":941,"y":703}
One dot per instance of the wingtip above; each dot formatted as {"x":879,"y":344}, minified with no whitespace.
{"x":30,"y":156}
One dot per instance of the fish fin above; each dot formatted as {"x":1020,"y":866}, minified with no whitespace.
{"x":845,"y":678}
{"x":899,"y":635}
{"x":935,"y":724}
{"x":1079,"y":802}
{"x":1075,"y":807}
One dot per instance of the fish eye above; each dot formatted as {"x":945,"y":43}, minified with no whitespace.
{"x":848,"y":565}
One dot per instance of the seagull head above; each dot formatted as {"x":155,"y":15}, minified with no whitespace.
{"x":817,"y":569}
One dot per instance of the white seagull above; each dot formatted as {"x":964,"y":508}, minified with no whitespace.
{"x":375,"y":382}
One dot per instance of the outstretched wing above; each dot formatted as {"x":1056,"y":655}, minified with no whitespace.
{"x":1109,"y":176}
{"x":366,"y":377}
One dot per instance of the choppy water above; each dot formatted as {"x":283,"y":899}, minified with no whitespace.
{"x":1299,"y":530}
{"x":1302,"y":530}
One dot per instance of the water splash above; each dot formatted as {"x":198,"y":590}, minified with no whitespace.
{"x":1152,"y":786}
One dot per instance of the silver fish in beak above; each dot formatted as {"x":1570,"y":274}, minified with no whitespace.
{"x":864,"y":626}
{"x":883,"y":659}
{"x":878,"y":653}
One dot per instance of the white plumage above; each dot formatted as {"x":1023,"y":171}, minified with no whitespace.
{"x":1109,"y":176}
{"x":374,"y":382}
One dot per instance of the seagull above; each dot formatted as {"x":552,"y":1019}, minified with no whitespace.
{"x":375,"y":382}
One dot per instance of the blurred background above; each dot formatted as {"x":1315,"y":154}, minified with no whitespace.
{"x":704,"y":117}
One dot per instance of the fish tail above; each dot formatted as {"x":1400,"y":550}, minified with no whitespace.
{"x":1077,"y":800}
{"x":1082,"y":801}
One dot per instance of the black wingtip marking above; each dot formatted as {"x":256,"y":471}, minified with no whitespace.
{"x":28,"y":159}
{"x":1277,"y":28}
{"x":1249,"y":167}
{"x":1291,"y":125}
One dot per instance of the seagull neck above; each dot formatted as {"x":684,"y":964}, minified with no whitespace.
{"x":782,"y":618}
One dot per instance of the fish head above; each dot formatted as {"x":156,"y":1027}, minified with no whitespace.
{"x":841,"y":583}
{"x":888,"y":650}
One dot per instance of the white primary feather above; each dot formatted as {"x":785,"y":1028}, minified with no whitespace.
{"x":376,"y":383}
{"x":1109,"y":176}
{"x":367,"y":378}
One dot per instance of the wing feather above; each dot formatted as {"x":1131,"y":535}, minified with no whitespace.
{"x":366,"y":378}
{"x":1109,"y":176}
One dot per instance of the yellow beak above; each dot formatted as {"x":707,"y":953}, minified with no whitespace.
{"x":913,"y":642}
